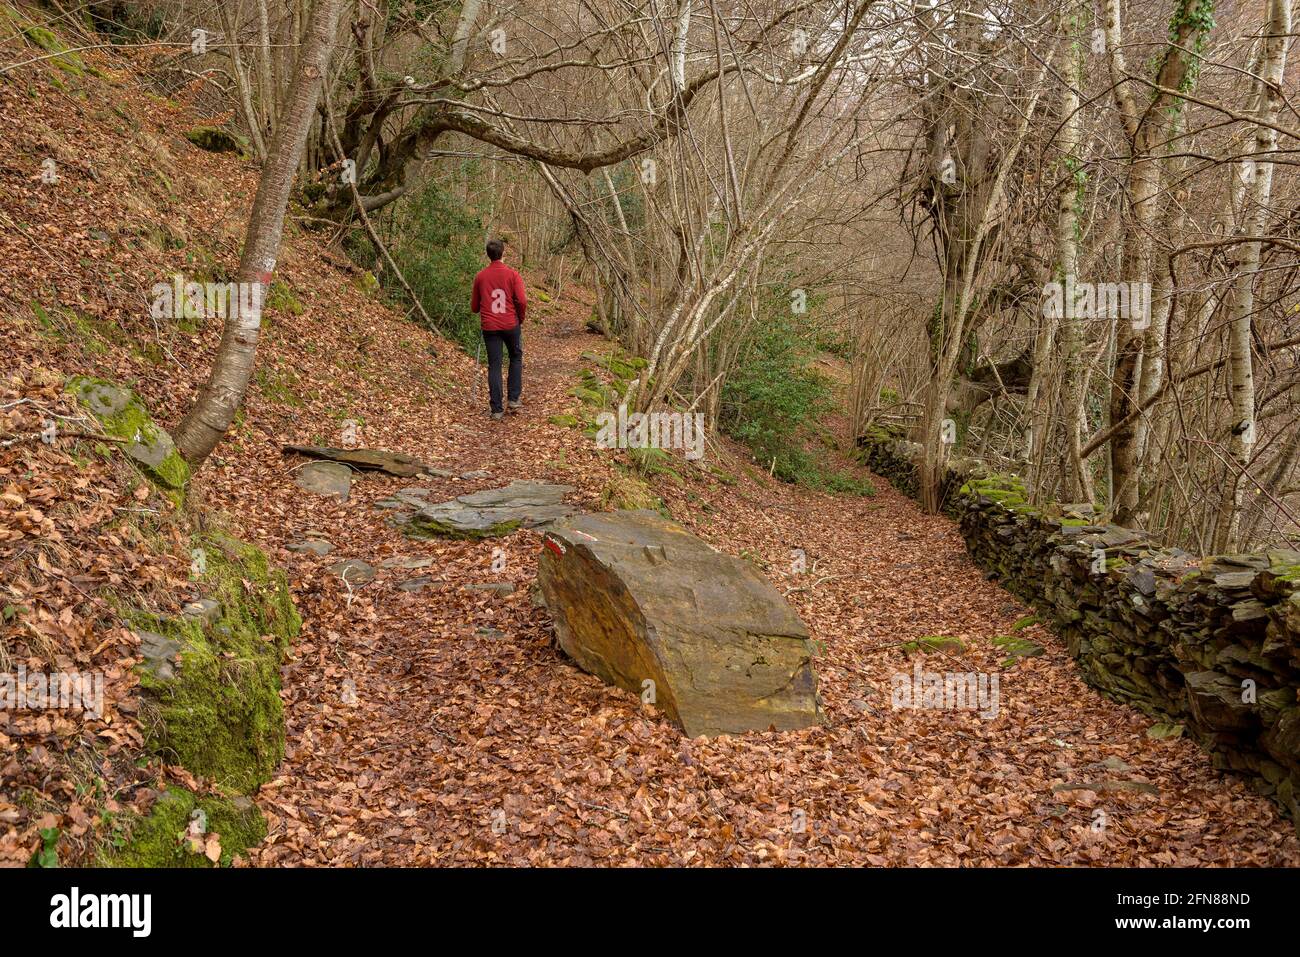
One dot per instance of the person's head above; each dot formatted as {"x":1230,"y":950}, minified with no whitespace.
{"x":495,"y":248}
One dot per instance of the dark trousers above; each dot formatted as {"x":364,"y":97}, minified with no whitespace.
{"x":512,"y":339}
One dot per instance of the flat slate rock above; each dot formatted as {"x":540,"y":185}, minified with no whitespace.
{"x":415,"y":584}
{"x":365,"y":460}
{"x":407,"y":562}
{"x":492,"y":512}
{"x":314,"y":546}
{"x":325,"y":478}
{"x":496,"y":588}
{"x":354,"y":571}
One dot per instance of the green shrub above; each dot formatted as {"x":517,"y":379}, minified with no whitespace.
{"x":772,"y":395}
{"x":775,"y":396}
{"x":439,"y":253}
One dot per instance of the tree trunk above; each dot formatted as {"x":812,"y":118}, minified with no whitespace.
{"x":219,"y":399}
{"x":1254,"y":222}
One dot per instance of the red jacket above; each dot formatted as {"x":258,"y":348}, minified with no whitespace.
{"x":498,"y":297}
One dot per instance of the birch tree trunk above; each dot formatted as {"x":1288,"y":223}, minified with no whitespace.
{"x":1253,"y":223}
{"x":220,"y":398}
{"x":1078,"y":483}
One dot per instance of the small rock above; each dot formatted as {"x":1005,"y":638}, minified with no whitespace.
{"x":159,"y":654}
{"x":325,"y":478}
{"x":489,"y":632}
{"x":354,"y":571}
{"x":499,"y":588}
{"x":1161,"y":730}
{"x":415,"y":584}
{"x":366,"y":460}
{"x":406,"y":563}
{"x":316,"y":546}
{"x":476,"y":474}
{"x":1100,"y":787}
{"x":206,"y":610}
{"x":492,"y":512}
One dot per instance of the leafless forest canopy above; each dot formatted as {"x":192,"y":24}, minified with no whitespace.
{"x":1061,"y":237}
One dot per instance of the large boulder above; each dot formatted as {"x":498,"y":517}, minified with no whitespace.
{"x":637,"y":598}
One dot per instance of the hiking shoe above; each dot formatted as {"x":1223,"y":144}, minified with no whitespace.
{"x":498,"y":416}
{"x":514,"y":407}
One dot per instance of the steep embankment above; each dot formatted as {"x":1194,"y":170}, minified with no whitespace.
{"x":433,"y":724}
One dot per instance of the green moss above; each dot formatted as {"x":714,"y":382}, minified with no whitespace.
{"x":566,"y":420}
{"x":47,"y":41}
{"x":216,"y":140}
{"x":123,"y":416}
{"x":279,"y":385}
{"x":160,"y":838}
{"x":619,"y":364}
{"x":884,"y":434}
{"x":624,"y":491}
{"x":280,"y":297}
{"x":367,"y":282}
{"x":220,"y":714}
{"x":587,"y":395}
{"x":935,"y":643}
{"x":1016,"y":648}
{"x":654,"y":461}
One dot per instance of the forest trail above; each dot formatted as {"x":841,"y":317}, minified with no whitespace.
{"x":436,"y":724}
{"x":441,"y":726}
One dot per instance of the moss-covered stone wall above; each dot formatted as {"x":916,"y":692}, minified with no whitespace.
{"x":1208,"y":646}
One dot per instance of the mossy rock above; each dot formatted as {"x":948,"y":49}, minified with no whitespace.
{"x":161,"y":837}
{"x":1016,"y":648}
{"x":47,"y":41}
{"x":218,"y":712}
{"x":566,"y":420}
{"x":935,"y":643}
{"x":367,"y":282}
{"x":589,"y":396}
{"x":216,"y":140}
{"x":122,"y":415}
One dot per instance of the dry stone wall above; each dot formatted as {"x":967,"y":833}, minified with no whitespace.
{"x":1208,"y":646}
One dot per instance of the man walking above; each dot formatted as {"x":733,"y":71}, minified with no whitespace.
{"x":498,"y":298}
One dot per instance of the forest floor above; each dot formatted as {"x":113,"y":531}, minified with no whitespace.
{"x":444,"y":726}
{"x":474,"y":740}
